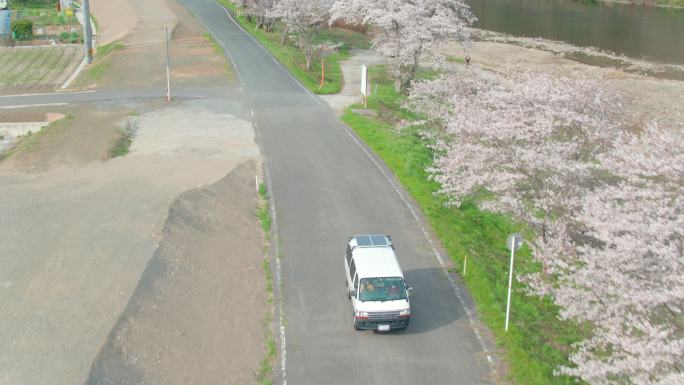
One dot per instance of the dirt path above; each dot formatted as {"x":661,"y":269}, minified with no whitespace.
{"x":351,"y":70}
{"x":83,"y":234}
{"x":115,"y":19}
{"x":142,"y":59}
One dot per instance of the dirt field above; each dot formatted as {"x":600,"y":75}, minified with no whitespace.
{"x":129,"y":270}
{"x":194,"y":62}
{"x":192,"y":319}
{"x":37,"y":69}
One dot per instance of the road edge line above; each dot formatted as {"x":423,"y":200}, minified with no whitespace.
{"x":436,"y":254}
{"x":279,"y":297}
{"x":278,"y":63}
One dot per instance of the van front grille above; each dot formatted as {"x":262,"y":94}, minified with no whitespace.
{"x":384,"y":315}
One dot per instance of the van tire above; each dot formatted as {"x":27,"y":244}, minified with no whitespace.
{"x":354,"y":322}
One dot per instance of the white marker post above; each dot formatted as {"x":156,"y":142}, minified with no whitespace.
{"x":514,"y":242}
{"x":364,"y":85}
{"x":168,"y":65}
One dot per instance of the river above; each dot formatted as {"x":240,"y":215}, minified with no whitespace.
{"x":638,"y":32}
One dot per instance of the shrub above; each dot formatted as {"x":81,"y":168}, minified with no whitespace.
{"x":23,"y":29}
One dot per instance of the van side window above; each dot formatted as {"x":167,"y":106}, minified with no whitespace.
{"x":352,"y":269}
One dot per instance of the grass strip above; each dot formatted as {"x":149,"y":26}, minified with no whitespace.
{"x":293,"y":58}
{"x":264,"y":375}
{"x":122,"y":144}
{"x":537,"y":342}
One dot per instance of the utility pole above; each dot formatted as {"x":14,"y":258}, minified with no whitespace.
{"x":168,"y":65}
{"x":88,"y":38}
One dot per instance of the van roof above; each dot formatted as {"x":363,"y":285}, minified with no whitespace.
{"x":376,"y":260}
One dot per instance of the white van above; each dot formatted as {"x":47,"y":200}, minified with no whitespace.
{"x":375,"y":284}
{"x":3,"y":4}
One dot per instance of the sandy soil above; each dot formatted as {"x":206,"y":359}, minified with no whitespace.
{"x":85,"y":136}
{"x":115,"y":19}
{"x":76,"y":240}
{"x":142,"y":61}
{"x":84,"y":235}
{"x":199,"y":306}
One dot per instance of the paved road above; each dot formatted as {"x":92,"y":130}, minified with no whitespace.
{"x":326,"y":188}
{"x":103,"y":95}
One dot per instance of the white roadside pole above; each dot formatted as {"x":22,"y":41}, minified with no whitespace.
{"x":514,"y":242}
{"x":364,"y":85}
{"x":168,"y":65}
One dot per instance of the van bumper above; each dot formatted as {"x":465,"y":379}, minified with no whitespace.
{"x":395,"y":323}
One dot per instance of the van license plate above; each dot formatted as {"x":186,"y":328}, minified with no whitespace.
{"x":383,"y":328}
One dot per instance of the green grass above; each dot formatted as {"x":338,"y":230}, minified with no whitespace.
{"x":32,"y":142}
{"x":100,"y":65}
{"x":122,"y":144}
{"x":537,"y":341}
{"x":455,"y":59}
{"x":106,"y":49}
{"x":293,"y":59}
{"x":264,"y":374}
{"x":266,"y":365}
{"x":214,"y":44}
{"x":263,"y":211}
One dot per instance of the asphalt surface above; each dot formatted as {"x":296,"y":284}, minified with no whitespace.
{"x":104,"y":95}
{"x":326,"y":188}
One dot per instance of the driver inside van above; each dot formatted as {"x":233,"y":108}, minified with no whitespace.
{"x":368,"y":286}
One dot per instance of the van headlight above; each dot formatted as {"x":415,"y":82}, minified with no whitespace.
{"x":405,"y":313}
{"x":361,"y":314}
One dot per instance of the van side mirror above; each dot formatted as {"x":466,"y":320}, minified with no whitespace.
{"x":410,"y":288}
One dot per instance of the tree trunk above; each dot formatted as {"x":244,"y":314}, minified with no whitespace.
{"x":308,"y":51}
{"x":283,"y":37}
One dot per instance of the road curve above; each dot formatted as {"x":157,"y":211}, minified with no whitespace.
{"x":326,"y":188}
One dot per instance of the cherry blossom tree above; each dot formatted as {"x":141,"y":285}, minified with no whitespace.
{"x":259,"y":9}
{"x":531,"y":139}
{"x":602,"y":189}
{"x":304,"y":18}
{"x":635,"y":275}
{"x":404,"y":31}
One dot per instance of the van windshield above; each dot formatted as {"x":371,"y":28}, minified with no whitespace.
{"x":382,"y":289}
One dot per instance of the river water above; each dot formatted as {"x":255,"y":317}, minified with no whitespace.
{"x":634,"y":31}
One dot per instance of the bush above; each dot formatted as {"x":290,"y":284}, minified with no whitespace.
{"x":23,"y":29}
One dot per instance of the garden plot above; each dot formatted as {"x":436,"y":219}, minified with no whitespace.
{"x":37,"y":68}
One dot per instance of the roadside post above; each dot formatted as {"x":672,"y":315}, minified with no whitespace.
{"x":513,"y":243}
{"x":465,"y":263}
{"x":168,"y":65}
{"x":364,"y":85}
{"x":87,"y":31}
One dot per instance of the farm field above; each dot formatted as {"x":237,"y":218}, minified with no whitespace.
{"x":36,"y":69}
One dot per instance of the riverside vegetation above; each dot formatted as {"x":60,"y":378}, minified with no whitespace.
{"x":600,"y":296}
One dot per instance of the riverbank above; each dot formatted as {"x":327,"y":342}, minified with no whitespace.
{"x":653,"y":94}
{"x":672,"y":4}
